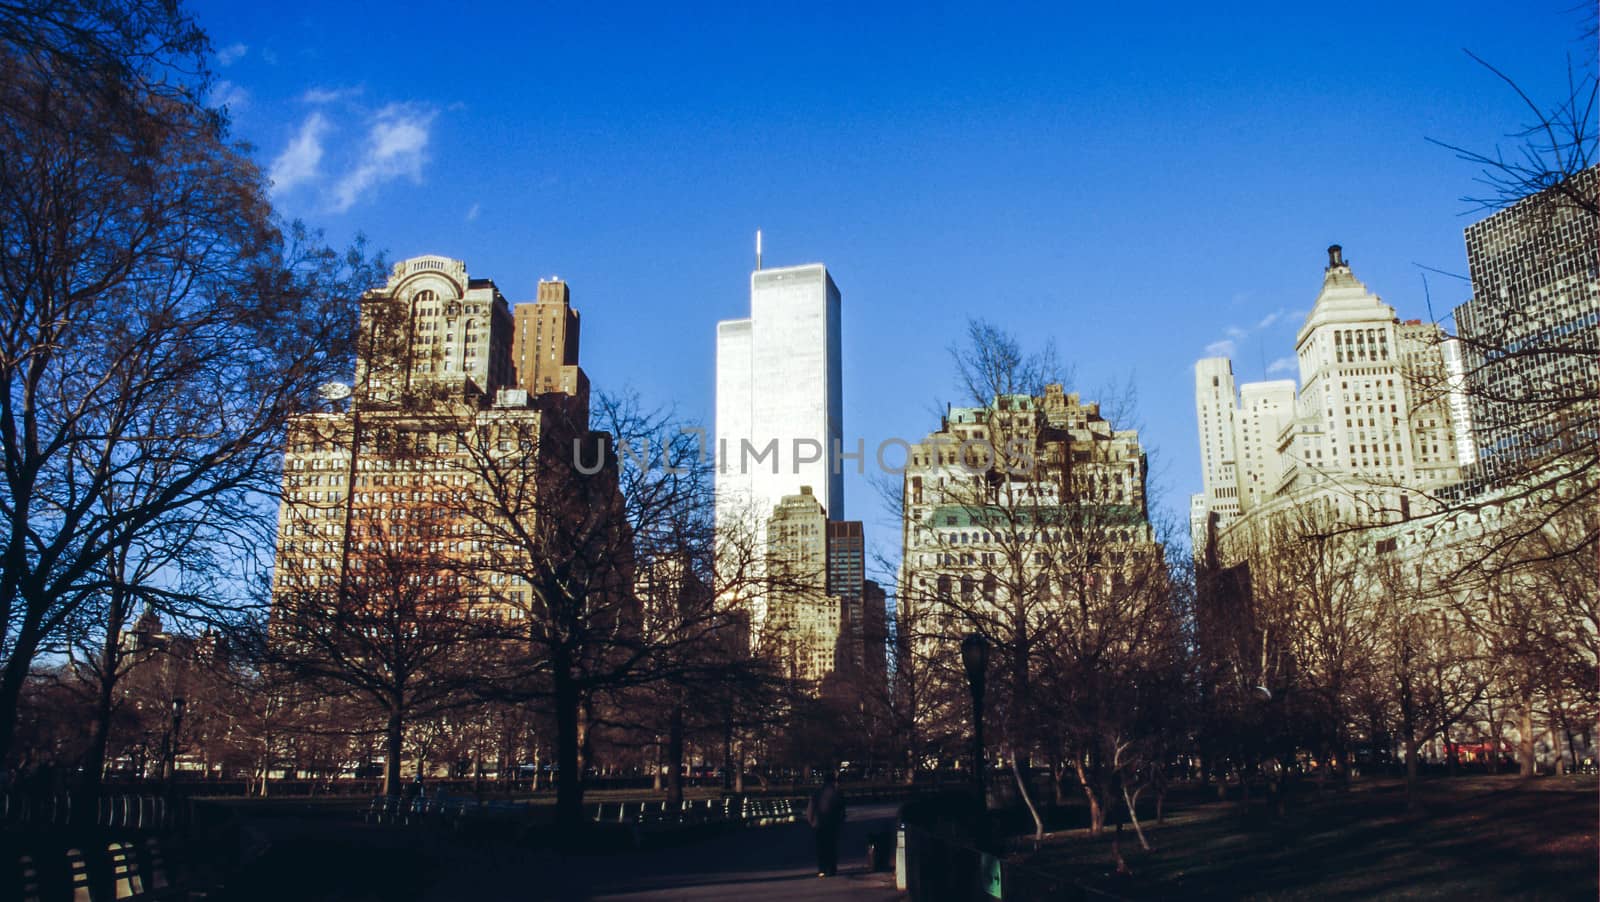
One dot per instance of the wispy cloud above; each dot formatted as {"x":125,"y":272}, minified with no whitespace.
{"x":231,"y":54}
{"x":1235,"y":334}
{"x":229,"y":96}
{"x":1282,"y":365}
{"x":396,"y":147}
{"x":319,"y":96}
{"x":472,"y":213}
{"x":300,"y":162}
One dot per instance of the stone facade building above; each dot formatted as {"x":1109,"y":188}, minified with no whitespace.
{"x":394,"y":479}
{"x":1370,"y":435}
{"x":545,"y":338}
{"x":1036,"y":497}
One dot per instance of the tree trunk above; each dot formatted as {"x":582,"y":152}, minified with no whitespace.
{"x":675,"y":757}
{"x":1027,"y":798}
{"x":11,"y":680}
{"x":1525,"y":740}
{"x":1411,"y":769}
{"x":1133,"y":816}
{"x":727,"y":753}
{"x":569,"y":782}
{"x":394,"y":738}
{"x":1495,"y":732}
{"x":1097,"y":816}
{"x":94,"y":761}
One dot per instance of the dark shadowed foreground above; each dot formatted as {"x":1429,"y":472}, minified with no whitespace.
{"x":1468,"y":838}
{"x":314,"y":858}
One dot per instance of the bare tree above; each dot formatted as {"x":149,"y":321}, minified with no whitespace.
{"x":154,"y":318}
{"x":1031,"y":507}
{"x":574,"y":519}
{"x":1432,"y":665}
{"x":396,"y":633}
{"x":1309,"y":587}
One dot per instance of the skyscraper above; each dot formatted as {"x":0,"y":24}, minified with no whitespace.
{"x":779,"y":408}
{"x":1530,"y":343}
{"x":1371,"y":429}
{"x":391,"y":478}
{"x":433,"y":329}
{"x":1216,"y":410}
{"x":975,"y":544}
{"x":544,"y":345}
{"x":803,"y":620}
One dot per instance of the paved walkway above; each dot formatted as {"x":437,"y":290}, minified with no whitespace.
{"x":770,"y":864}
{"x":312,"y":858}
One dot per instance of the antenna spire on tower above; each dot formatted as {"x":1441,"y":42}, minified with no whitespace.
{"x":758,"y":250}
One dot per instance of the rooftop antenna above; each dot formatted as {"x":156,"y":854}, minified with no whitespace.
{"x":758,"y":250}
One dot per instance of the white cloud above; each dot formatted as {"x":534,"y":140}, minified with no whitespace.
{"x":231,"y":54}
{"x":397,"y":145}
{"x":1282,"y":365}
{"x":1270,"y":318}
{"x":472,"y":213}
{"x":1235,"y":333}
{"x":227,"y":95}
{"x":1222,"y":348}
{"x":317,"y":96}
{"x":300,"y":161}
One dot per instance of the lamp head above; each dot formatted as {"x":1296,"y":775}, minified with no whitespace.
{"x":975,"y":657}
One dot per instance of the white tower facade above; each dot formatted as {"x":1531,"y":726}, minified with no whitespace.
{"x":779,"y":403}
{"x":1372,"y":427}
{"x":1216,"y":411}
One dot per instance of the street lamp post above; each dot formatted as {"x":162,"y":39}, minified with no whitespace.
{"x":170,"y":750}
{"x":975,"y":657}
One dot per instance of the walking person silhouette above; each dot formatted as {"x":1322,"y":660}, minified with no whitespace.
{"x":825,"y":814}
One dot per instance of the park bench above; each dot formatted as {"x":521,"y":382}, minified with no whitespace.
{"x":449,"y":811}
{"x":138,"y":872}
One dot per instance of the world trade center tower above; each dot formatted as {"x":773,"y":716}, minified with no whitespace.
{"x":779,"y":408}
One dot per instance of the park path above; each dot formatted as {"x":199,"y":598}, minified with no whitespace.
{"x":770,"y":864}
{"x":315,"y":858}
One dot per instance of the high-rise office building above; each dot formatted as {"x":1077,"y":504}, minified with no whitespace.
{"x":967,"y":543}
{"x":1265,"y":410}
{"x":544,"y":345}
{"x":847,"y":560}
{"x":1529,"y":336}
{"x":803,"y":620}
{"x":1216,"y":410}
{"x":874,"y":639}
{"x":388,"y":483}
{"x":1371,"y":429}
{"x":433,"y":329}
{"x":779,"y":406}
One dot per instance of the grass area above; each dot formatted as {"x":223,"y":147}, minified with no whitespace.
{"x":1468,"y":837}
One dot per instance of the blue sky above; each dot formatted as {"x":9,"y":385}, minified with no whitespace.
{"x":1139,"y":184}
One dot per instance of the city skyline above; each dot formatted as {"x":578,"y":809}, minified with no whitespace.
{"x":969,"y":193}
{"x":403,"y":437}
